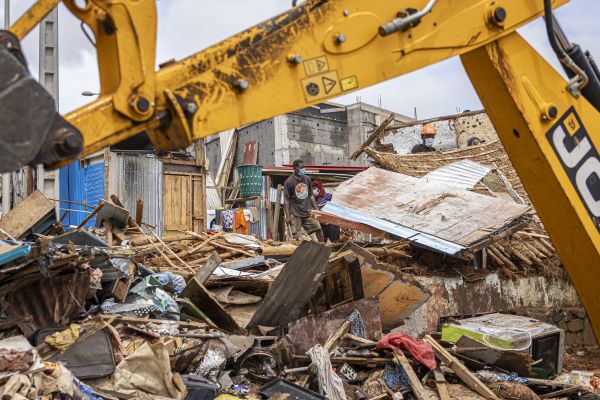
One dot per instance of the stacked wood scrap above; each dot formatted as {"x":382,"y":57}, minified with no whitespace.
{"x":528,"y":251}
{"x":185,"y":253}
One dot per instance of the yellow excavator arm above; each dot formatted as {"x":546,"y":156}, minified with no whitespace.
{"x":323,"y":49}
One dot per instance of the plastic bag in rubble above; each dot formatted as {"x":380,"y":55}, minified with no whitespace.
{"x":213,"y":361}
{"x":580,"y":378}
{"x":330,"y":384}
{"x":489,"y":377}
{"x":169,"y":278}
{"x":149,"y":289}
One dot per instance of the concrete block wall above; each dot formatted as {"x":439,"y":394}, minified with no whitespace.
{"x":573,"y":320}
{"x":457,"y":296}
{"x":451,"y":133}
{"x":316,"y":140}
{"x":264,"y":133}
{"x":362,"y":119}
{"x":404,"y":140}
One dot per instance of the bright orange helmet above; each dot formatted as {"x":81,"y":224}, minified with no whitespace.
{"x":428,"y":130}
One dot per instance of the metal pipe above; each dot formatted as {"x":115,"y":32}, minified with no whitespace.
{"x":6,"y":192}
{"x":400,"y":24}
{"x":6,"y":14}
{"x":554,"y":32}
{"x":6,"y":181}
{"x":561,"y":36}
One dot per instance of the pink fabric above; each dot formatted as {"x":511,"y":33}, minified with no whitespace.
{"x":420,"y":350}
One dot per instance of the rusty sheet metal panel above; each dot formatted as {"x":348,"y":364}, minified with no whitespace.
{"x":138,"y":176}
{"x":464,"y":173}
{"x":307,"y":332}
{"x":294,"y":286}
{"x":51,"y":302}
{"x":434,"y":215}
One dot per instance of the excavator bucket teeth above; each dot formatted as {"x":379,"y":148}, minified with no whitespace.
{"x":31,"y":131}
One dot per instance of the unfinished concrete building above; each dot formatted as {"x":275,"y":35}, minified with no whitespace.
{"x":325,"y":134}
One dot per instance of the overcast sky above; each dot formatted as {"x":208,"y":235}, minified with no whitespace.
{"x":186,"y":26}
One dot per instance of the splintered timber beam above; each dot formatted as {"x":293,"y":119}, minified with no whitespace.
{"x":460,"y":370}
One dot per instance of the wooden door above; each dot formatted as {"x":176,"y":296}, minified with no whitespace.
{"x":184,"y":202}
{"x":177,"y":203}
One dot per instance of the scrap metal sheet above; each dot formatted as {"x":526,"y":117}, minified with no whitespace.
{"x":463,"y":173}
{"x":50,"y":302}
{"x":306,"y":332}
{"x":433,"y":215}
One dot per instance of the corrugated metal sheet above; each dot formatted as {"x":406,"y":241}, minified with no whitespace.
{"x":138,"y":176}
{"x":431,"y":214}
{"x":82,"y":185}
{"x":213,"y":200}
{"x":50,"y":302}
{"x":420,"y":238}
{"x":463,"y":173}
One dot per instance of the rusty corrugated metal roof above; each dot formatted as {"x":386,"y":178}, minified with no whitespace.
{"x":51,"y":302}
{"x":434,"y":215}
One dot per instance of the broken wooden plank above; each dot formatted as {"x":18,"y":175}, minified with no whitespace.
{"x":350,"y":360}
{"x":139,"y":211}
{"x":460,"y":370}
{"x":92,"y":214}
{"x":560,"y":393}
{"x":441,"y":384}
{"x":26,"y":215}
{"x":373,"y":136}
{"x":203,"y":299}
{"x":108,"y":230}
{"x":415,"y":382}
{"x":399,"y":300}
{"x":208,"y":268}
{"x":336,"y":336}
{"x":202,"y":245}
{"x":147,"y":240}
{"x":170,"y":250}
{"x":294,"y":286}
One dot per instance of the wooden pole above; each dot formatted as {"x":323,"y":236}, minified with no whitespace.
{"x":91,"y":215}
{"x":139,"y":210}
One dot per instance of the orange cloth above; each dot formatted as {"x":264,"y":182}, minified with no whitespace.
{"x":240,"y":223}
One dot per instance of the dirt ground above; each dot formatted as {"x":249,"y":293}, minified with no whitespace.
{"x":588,"y":361}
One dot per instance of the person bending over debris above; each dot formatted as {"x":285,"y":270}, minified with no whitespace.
{"x":428,"y":133}
{"x":330,"y":231}
{"x":300,"y":200}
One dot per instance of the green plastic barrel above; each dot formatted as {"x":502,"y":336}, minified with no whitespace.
{"x":250,"y":180}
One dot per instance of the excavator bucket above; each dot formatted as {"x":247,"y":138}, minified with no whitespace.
{"x":31,"y":131}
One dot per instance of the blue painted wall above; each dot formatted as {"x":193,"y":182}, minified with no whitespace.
{"x":83,"y":185}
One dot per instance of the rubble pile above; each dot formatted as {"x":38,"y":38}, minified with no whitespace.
{"x":117,"y":312}
{"x":527,"y":251}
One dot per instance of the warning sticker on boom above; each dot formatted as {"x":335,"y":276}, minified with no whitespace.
{"x":316,"y":65}
{"x":321,"y":86}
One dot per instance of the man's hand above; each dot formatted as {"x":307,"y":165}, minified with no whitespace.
{"x":313,"y":202}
